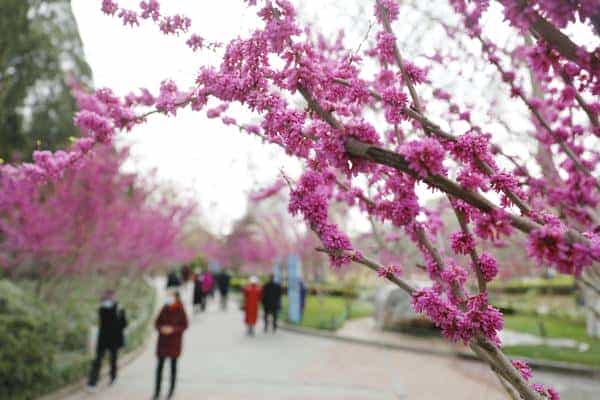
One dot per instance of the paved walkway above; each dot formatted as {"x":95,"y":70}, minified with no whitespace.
{"x":219,"y":362}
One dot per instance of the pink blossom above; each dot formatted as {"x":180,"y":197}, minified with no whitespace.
{"x":523,"y":369}
{"x":109,"y":7}
{"x":454,"y":274}
{"x":415,"y":74}
{"x":195,"y":42}
{"x":174,"y":24}
{"x":395,"y":101}
{"x":97,"y":125}
{"x":169,"y":98}
{"x":548,"y":245}
{"x":493,"y":225}
{"x":385,"y":46}
{"x":481,"y":317}
{"x":129,"y":17}
{"x":461,"y":242}
{"x":389,"y":270}
{"x":229,"y":121}
{"x":150,"y":9}
{"x":391,"y":8}
{"x":488,"y":266}
{"x":425,"y":156}
{"x":548,"y":392}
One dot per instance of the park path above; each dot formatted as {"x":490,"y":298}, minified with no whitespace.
{"x":220,"y":362}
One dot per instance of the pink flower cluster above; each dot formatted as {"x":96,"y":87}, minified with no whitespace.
{"x":455,"y":324}
{"x":90,"y":218}
{"x":167,"y":24}
{"x":523,"y":368}
{"x":384,"y":48}
{"x":310,"y":198}
{"x":389,"y":270}
{"x":547,"y":391}
{"x":461,"y":242}
{"x":425,"y":156}
{"x":395,"y":101}
{"x":391,"y":8}
{"x":549,"y":245}
{"x":488,"y":266}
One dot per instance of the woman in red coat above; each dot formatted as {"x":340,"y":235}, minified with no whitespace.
{"x":252,"y":296}
{"x":170,"y":324}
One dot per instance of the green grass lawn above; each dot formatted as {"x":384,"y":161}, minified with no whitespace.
{"x":332,"y":313}
{"x":554,"y":327}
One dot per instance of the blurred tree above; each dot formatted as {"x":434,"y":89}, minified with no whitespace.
{"x":40,"y":48}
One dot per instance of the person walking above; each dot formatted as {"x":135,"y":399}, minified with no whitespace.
{"x":271,"y":301}
{"x":303,"y":293}
{"x":208,"y":283}
{"x":170,"y":324}
{"x":223,"y":279}
{"x":252,"y":296}
{"x":186,"y":273}
{"x":112,"y":323}
{"x":199,"y":296}
{"x":173,"y":280}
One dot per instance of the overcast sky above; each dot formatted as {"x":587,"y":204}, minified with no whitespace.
{"x":201,"y":157}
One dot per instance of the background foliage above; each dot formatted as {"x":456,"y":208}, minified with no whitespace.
{"x":40,"y":48}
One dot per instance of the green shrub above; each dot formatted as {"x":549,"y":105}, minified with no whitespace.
{"x":560,"y":284}
{"x":26,"y":356}
{"x":43,"y":345}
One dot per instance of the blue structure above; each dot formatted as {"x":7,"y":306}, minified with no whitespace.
{"x":277,"y":271}
{"x":214,"y":267}
{"x":293,"y":281}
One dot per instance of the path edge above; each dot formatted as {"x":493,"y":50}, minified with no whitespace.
{"x":542,"y":365}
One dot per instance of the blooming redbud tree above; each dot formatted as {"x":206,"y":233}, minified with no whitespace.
{"x":383,"y":165}
{"x":89,"y":219}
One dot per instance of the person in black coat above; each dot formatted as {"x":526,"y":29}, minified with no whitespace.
{"x":271,"y":301}
{"x":199,"y":298}
{"x":223,"y":278}
{"x":173,"y":280}
{"x":112,"y":323}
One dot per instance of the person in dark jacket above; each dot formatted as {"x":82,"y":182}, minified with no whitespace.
{"x":199,"y":296}
{"x":223,"y":278}
{"x":303,"y":292}
{"x":186,"y":273}
{"x":173,"y":280}
{"x":170,"y":324}
{"x":271,"y":301}
{"x":112,"y":323}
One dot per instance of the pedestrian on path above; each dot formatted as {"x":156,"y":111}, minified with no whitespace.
{"x":186,"y":273}
{"x":252,"y":296}
{"x":170,"y":324}
{"x":199,"y":296}
{"x":303,"y":293}
{"x":112,"y":322}
{"x":223,"y":278}
{"x":271,"y":301}
{"x":173,"y":280}
{"x":208,"y":283}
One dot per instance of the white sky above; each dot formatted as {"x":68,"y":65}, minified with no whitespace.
{"x":201,"y":157}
